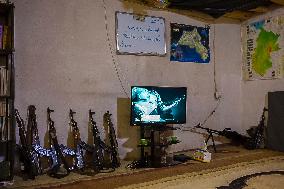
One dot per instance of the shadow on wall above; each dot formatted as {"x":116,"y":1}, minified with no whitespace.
{"x":127,"y":132}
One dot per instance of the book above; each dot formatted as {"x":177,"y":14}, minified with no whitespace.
{"x":1,"y":81}
{"x":8,"y":73}
{"x":2,"y":108}
{"x":1,"y":36}
{"x":5,"y":33}
{"x":4,"y":81}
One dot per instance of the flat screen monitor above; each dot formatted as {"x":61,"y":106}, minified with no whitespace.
{"x":153,"y":105}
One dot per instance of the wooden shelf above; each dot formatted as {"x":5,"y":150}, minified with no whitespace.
{"x":5,"y":96}
{"x":7,"y":147}
{"x":6,"y":51}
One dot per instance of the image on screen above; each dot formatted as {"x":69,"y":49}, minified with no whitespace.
{"x":158,"y":105}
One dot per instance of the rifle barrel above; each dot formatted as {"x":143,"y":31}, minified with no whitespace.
{"x":209,"y":130}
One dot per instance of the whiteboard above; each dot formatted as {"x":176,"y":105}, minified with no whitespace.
{"x":139,"y":34}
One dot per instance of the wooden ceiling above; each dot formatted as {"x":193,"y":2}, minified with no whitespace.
{"x":211,"y":11}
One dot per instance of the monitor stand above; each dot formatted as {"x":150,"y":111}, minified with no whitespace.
{"x":157,"y":156}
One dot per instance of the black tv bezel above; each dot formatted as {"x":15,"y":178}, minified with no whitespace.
{"x":156,"y":123}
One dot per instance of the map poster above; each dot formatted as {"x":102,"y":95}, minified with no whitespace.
{"x":189,"y":43}
{"x":263,"y":49}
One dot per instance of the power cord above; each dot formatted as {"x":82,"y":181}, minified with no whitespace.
{"x":183,"y":128}
{"x":217,"y":95}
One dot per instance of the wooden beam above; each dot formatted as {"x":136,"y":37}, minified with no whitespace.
{"x":279,"y":2}
{"x":260,"y":9}
{"x":141,"y":7}
{"x":241,"y":15}
{"x":138,"y":7}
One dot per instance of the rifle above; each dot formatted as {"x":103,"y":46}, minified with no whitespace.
{"x":27,"y":154}
{"x":79,"y":162}
{"x":113,"y":141}
{"x":236,"y":138}
{"x":257,"y":134}
{"x":32,"y":134}
{"x":55,"y":171}
{"x":99,"y":145}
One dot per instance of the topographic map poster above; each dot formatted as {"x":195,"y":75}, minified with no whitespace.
{"x":189,"y":43}
{"x":263,"y":49}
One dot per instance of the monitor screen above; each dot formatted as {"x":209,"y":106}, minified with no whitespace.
{"x":152,"y":105}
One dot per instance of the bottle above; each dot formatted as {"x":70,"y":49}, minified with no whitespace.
{"x":204,"y":148}
{"x":163,"y":159}
{"x":163,"y":156}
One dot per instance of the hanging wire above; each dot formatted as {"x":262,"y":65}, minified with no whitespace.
{"x":214,"y":61}
{"x":184,"y":128}
{"x":212,"y":113}
{"x":112,"y":51}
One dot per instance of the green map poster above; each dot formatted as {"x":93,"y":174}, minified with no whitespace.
{"x":263,"y":49}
